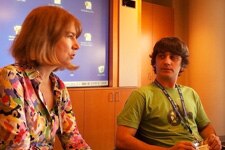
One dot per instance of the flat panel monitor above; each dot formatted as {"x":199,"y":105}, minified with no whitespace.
{"x":92,"y":57}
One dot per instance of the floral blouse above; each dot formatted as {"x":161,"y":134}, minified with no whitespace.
{"x":25,"y":121}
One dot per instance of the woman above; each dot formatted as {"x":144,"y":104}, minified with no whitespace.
{"x":34,"y":102}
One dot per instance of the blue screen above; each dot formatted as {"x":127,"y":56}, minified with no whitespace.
{"x":92,"y":57}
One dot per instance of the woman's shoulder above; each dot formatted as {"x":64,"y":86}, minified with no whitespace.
{"x":8,"y":76}
{"x":15,"y":70}
{"x":8,"y":69}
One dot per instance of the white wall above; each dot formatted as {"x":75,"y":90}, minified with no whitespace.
{"x":129,"y":32}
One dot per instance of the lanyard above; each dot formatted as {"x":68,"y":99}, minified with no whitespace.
{"x":184,"y":119}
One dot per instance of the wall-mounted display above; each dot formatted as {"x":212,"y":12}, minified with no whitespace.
{"x":92,"y":57}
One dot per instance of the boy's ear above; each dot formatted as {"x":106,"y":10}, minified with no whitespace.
{"x":181,"y":69}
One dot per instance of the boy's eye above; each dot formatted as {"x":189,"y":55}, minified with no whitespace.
{"x":174,"y":57}
{"x":161,"y":56}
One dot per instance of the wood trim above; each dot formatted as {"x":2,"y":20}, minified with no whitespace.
{"x":113,"y":43}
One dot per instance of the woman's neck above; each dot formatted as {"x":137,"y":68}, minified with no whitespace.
{"x":45,"y":72}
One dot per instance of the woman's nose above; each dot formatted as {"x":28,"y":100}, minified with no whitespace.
{"x":75,"y":45}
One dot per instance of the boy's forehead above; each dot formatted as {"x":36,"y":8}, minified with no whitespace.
{"x":167,"y":53}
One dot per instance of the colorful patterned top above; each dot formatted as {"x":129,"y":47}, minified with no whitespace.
{"x":25,"y":122}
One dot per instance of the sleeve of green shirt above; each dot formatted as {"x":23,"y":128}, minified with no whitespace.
{"x":202,"y":119}
{"x":132,"y":111}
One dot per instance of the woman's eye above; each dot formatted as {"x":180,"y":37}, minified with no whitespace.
{"x":70,"y":36}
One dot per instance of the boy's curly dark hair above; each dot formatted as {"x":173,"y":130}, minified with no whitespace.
{"x":173,"y":45}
